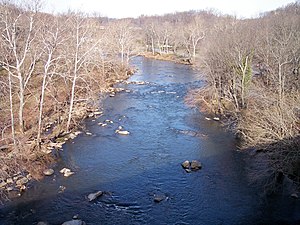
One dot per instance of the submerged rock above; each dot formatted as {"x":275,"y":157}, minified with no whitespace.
{"x":186,"y":164}
{"x":195,"y":165}
{"x":42,"y":223}
{"x":61,"y":189}
{"x":48,"y":172}
{"x":159,"y":198}
{"x":74,"y":222}
{"x":295,"y":195}
{"x":95,"y":195}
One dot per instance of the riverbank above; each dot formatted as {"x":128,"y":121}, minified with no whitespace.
{"x":167,"y":57}
{"x":260,"y":132}
{"x":132,"y":170}
{"x":30,"y":160}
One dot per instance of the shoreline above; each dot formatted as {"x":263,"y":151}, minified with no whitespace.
{"x":166,"y":57}
{"x":44,"y":156}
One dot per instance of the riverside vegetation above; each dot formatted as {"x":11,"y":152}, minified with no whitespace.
{"x":55,"y":68}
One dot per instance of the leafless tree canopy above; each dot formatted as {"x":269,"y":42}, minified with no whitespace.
{"x":51,"y":67}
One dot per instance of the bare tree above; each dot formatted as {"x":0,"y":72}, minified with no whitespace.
{"x":82,"y":43}
{"x":194,"y":32}
{"x":121,"y":37}
{"x":19,"y":36}
{"x":51,"y":42}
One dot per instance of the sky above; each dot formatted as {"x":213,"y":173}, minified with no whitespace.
{"x":135,"y":8}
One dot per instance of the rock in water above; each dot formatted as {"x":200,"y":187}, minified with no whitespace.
{"x":187,"y":170}
{"x":48,"y":172}
{"x":74,"y":222}
{"x":66,"y":172}
{"x":42,"y":223}
{"x":186,"y":164}
{"x":63,"y":170}
{"x":122,"y":132}
{"x":196,"y":165}
{"x":2,"y":184}
{"x":95,"y":195}
{"x":22,"y":181}
{"x":159,"y":198}
{"x":294,"y":195}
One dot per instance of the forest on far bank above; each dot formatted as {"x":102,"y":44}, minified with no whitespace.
{"x":55,"y":68}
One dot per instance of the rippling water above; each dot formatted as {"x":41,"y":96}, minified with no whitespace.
{"x":132,"y":169}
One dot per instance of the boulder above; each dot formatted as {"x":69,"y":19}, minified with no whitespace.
{"x":72,"y":136}
{"x":2,"y":184}
{"x":122,"y":132}
{"x":29,"y":176}
{"x":42,"y":223}
{"x":22,"y":181}
{"x":97,"y":113}
{"x":186,"y":164}
{"x":195,"y":165}
{"x":11,"y":188}
{"x":95,"y":195}
{"x":56,"y":145}
{"x":159,"y":198}
{"x":63,"y":170}
{"x":188,"y":170}
{"x":9,"y":181}
{"x":61,"y":189}
{"x":294,"y":195}
{"x":48,"y":172}
{"x":46,"y":150}
{"x":74,"y":222}
{"x":66,"y":172}
{"x":77,"y":133}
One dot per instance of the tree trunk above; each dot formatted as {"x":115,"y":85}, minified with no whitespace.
{"x":11,"y":110}
{"x":21,"y":107}
{"x":41,"y":108}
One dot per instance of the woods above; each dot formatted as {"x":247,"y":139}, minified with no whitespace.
{"x":251,"y":69}
{"x":54,"y":68}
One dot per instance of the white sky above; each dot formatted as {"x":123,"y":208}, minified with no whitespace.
{"x":135,"y":8}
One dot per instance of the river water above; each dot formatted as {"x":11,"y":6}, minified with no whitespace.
{"x":133,"y":169}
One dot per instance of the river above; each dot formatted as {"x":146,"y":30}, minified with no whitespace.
{"x":133,"y":169}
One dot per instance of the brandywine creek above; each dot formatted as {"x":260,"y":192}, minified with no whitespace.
{"x":132,"y":169}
